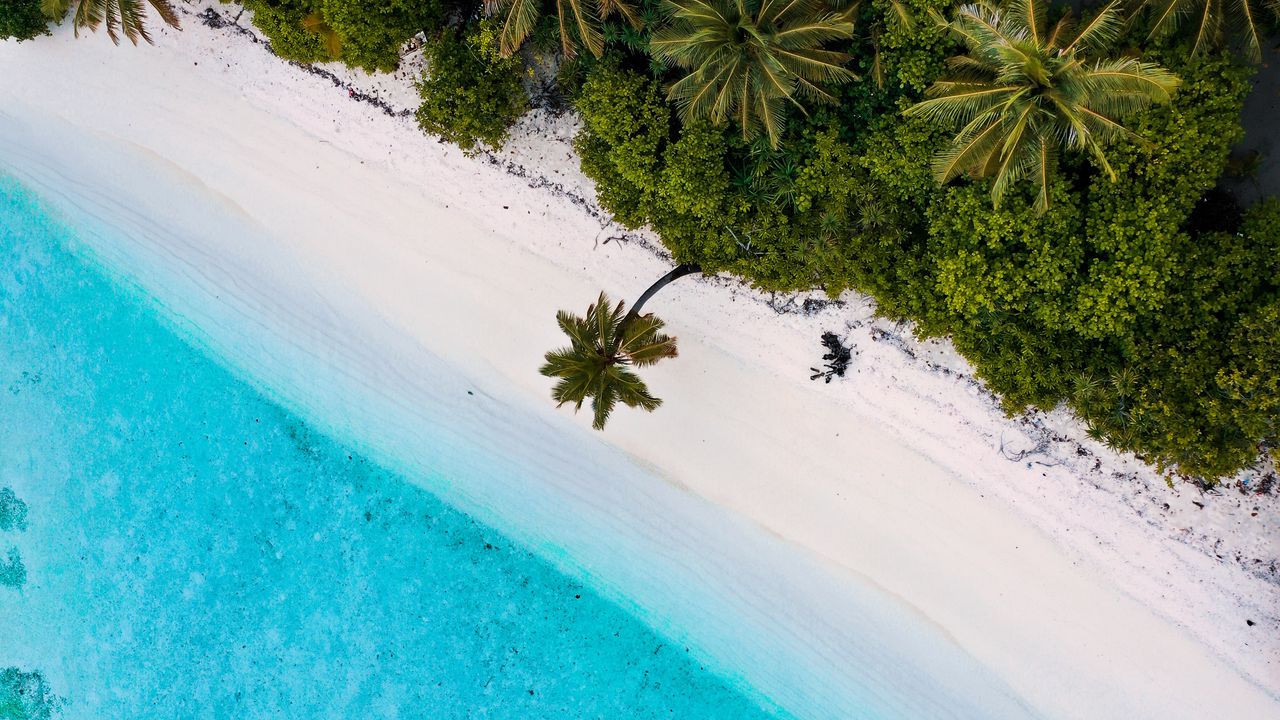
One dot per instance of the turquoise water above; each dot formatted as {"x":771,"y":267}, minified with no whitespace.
{"x":192,"y":550}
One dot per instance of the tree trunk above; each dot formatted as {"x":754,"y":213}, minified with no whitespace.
{"x":676,"y":273}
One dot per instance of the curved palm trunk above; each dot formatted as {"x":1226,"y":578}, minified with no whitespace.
{"x":676,"y":273}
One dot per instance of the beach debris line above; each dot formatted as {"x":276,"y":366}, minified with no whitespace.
{"x":604,"y":345}
{"x":838,"y":358}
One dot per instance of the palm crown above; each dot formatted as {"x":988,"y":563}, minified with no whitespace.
{"x":1215,"y":21}
{"x":119,"y":16}
{"x":747,"y":59}
{"x":1023,"y":92}
{"x":580,"y":21}
{"x":603,"y":346}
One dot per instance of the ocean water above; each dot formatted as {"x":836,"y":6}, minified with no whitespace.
{"x":192,"y":550}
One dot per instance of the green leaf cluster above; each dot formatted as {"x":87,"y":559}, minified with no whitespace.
{"x":471,"y":94}
{"x":363,"y":35}
{"x":282,"y":21}
{"x":1117,"y":300}
{"x":1112,"y":301}
{"x":22,"y":20}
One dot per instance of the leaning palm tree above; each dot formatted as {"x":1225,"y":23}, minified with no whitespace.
{"x":603,"y":347}
{"x":580,"y":21}
{"x":1217,"y":23}
{"x":749,"y":59}
{"x":119,"y":16}
{"x":1023,"y":92}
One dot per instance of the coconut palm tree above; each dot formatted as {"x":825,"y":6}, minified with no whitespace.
{"x":749,"y":59}
{"x":1025,"y":91}
{"x":580,"y":21}
{"x":604,"y":346}
{"x":119,"y":16}
{"x":1217,"y":23}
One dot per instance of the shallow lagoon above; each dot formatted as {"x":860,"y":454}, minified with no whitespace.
{"x":193,"y":550}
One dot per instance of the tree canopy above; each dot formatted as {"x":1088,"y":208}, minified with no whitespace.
{"x":1025,"y":90}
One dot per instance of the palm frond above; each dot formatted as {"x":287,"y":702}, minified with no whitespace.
{"x":1215,"y":24}
{"x":120,"y":17}
{"x":1101,"y":31}
{"x":520,"y":17}
{"x":603,"y":344}
{"x":1019,"y":94}
{"x":580,"y":22}
{"x":746,"y":63}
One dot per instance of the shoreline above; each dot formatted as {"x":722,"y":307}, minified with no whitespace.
{"x":925,"y":443}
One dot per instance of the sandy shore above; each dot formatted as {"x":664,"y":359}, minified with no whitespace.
{"x":864,"y":538}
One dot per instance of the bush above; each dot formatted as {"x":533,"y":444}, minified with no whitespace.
{"x":363,"y":35}
{"x":471,"y":95}
{"x":1111,"y":303}
{"x":1148,"y":305}
{"x":22,"y":20}
{"x":371,"y":34}
{"x":282,"y":21}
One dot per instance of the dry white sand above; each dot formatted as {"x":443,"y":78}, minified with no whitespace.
{"x":878,"y":543}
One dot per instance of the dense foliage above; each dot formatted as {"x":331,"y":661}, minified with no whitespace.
{"x":363,"y":35}
{"x":1114,"y":301}
{"x":1024,"y":91}
{"x":22,"y":20}
{"x":1147,"y":302}
{"x":471,"y":94}
{"x":746,"y":61}
{"x":579,"y":21}
{"x":1214,"y":24}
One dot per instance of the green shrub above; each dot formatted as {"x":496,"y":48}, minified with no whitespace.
{"x":360,"y":34}
{"x":913,"y":47}
{"x":22,"y":20}
{"x":371,"y":34}
{"x":282,"y":21}
{"x":471,"y":95}
{"x":1160,"y":333}
{"x":1113,"y":304}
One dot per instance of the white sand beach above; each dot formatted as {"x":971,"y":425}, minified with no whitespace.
{"x":890,"y":532}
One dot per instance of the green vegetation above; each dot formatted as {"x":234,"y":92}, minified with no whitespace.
{"x":471,"y":94}
{"x":1041,"y":190}
{"x":1025,"y":91}
{"x":363,"y":35}
{"x":580,"y":21}
{"x":602,"y":346}
{"x":119,"y":16}
{"x":747,"y":59}
{"x":22,"y":20}
{"x":1121,"y":284}
{"x":1214,"y":24}
{"x":26,"y":696}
